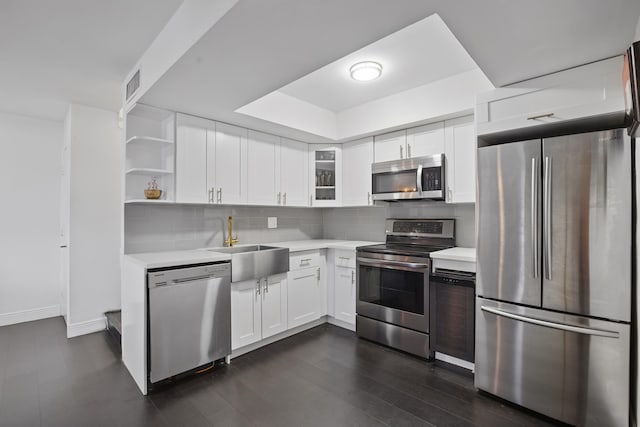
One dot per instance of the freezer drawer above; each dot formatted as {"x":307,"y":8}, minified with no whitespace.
{"x":570,"y":368}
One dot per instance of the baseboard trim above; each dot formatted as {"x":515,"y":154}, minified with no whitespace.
{"x":29,"y":315}
{"x":286,"y":334}
{"x":455,"y":361}
{"x":341,"y":323}
{"x":86,"y":327}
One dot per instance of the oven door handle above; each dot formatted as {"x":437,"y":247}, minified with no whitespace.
{"x":373,"y":262}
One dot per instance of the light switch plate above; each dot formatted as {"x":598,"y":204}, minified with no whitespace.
{"x":272,"y":222}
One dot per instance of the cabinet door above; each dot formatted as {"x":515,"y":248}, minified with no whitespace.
{"x":229,"y":163}
{"x":191,"y":161}
{"x":460,"y":151}
{"x":263,"y":160}
{"x":425,"y":140}
{"x":345,"y":294}
{"x":325,"y":166}
{"x":294,"y":175}
{"x":390,"y":146}
{"x":357,"y":157}
{"x":274,"y":305}
{"x":246,"y":320}
{"x":303,"y":289}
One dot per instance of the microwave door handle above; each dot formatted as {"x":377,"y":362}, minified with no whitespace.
{"x":419,"y":179}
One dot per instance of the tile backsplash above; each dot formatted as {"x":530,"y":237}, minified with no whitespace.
{"x":367,"y":223}
{"x":151,"y":228}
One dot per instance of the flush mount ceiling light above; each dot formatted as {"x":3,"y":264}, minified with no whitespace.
{"x":365,"y":71}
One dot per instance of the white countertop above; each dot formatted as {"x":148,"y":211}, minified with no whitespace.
{"x":455,"y":254}
{"x":308,"y":245}
{"x":174,"y":258}
{"x":197,"y":256}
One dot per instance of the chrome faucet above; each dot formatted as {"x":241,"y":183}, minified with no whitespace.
{"x":230,"y":241}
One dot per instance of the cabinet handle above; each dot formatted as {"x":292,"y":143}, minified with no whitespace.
{"x":449,"y":194}
{"x":408,"y":151}
{"x":310,"y":199}
{"x":368,"y":197}
{"x":284,"y":199}
{"x":401,"y":151}
{"x":279,"y":197}
{"x":220,"y":198}
{"x":353,"y":277}
{"x":211,"y":195}
{"x":258,"y":287}
{"x":318,"y":276}
{"x":266,"y":286}
{"x":540,"y":116}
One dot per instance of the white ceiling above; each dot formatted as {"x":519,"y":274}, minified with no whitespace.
{"x":416,"y":55}
{"x":259,"y":47}
{"x":57,"y":52}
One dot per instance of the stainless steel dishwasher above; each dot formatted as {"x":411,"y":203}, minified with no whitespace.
{"x":189,"y":318}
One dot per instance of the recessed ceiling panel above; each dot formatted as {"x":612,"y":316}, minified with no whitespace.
{"x":419,"y":54}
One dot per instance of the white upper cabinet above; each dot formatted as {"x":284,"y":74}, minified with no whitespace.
{"x":357,"y":157}
{"x":294,"y":173}
{"x":390,"y":146}
{"x":226,"y":161}
{"x":325,"y":175}
{"x":425,"y":140}
{"x":460,"y":152}
{"x":590,"y":90}
{"x":210,"y":162}
{"x":191,"y":159}
{"x":263,"y":168}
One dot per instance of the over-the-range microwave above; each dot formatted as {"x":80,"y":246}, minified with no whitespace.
{"x":409,"y":179}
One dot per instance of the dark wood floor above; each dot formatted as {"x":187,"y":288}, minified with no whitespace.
{"x":322,"y":377}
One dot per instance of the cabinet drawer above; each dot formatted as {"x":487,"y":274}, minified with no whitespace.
{"x":305,"y":259}
{"x":345,"y":259}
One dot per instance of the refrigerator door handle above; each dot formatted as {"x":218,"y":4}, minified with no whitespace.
{"x":534,"y":217}
{"x":419,"y":179}
{"x":554,"y":325}
{"x":546,"y":219}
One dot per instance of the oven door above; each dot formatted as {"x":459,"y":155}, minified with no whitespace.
{"x":394,"y":289}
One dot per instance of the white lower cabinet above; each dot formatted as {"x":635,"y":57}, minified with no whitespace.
{"x":345,"y":294}
{"x":304,"y":296}
{"x":274,"y":305}
{"x":246,"y":313}
{"x":258,"y":309}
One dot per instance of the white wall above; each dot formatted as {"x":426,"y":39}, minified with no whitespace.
{"x":95,"y":205}
{"x":30,"y":216}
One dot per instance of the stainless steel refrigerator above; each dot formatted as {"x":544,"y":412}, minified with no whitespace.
{"x":553,"y":307}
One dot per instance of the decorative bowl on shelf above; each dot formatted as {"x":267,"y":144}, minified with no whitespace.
{"x":152,"y":194}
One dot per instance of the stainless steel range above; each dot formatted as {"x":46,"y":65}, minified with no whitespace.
{"x":393,"y":283}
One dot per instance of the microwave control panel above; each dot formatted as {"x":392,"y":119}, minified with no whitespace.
{"x":432,"y":179}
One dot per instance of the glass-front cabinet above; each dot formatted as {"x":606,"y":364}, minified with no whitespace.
{"x":325,"y":180}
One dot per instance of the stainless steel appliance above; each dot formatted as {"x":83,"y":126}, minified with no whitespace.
{"x":392,"y":283}
{"x":189,"y":318}
{"x":452,"y":313}
{"x":554,"y":275}
{"x":409,"y":179}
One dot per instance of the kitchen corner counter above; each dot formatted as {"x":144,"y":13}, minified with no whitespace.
{"x":455,"y":254}
{"x":462,"y":259}
{"x":176,"y":258}
{"x":309,"y":245}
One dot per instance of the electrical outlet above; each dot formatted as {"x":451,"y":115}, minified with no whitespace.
{"x":272,"y":222}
